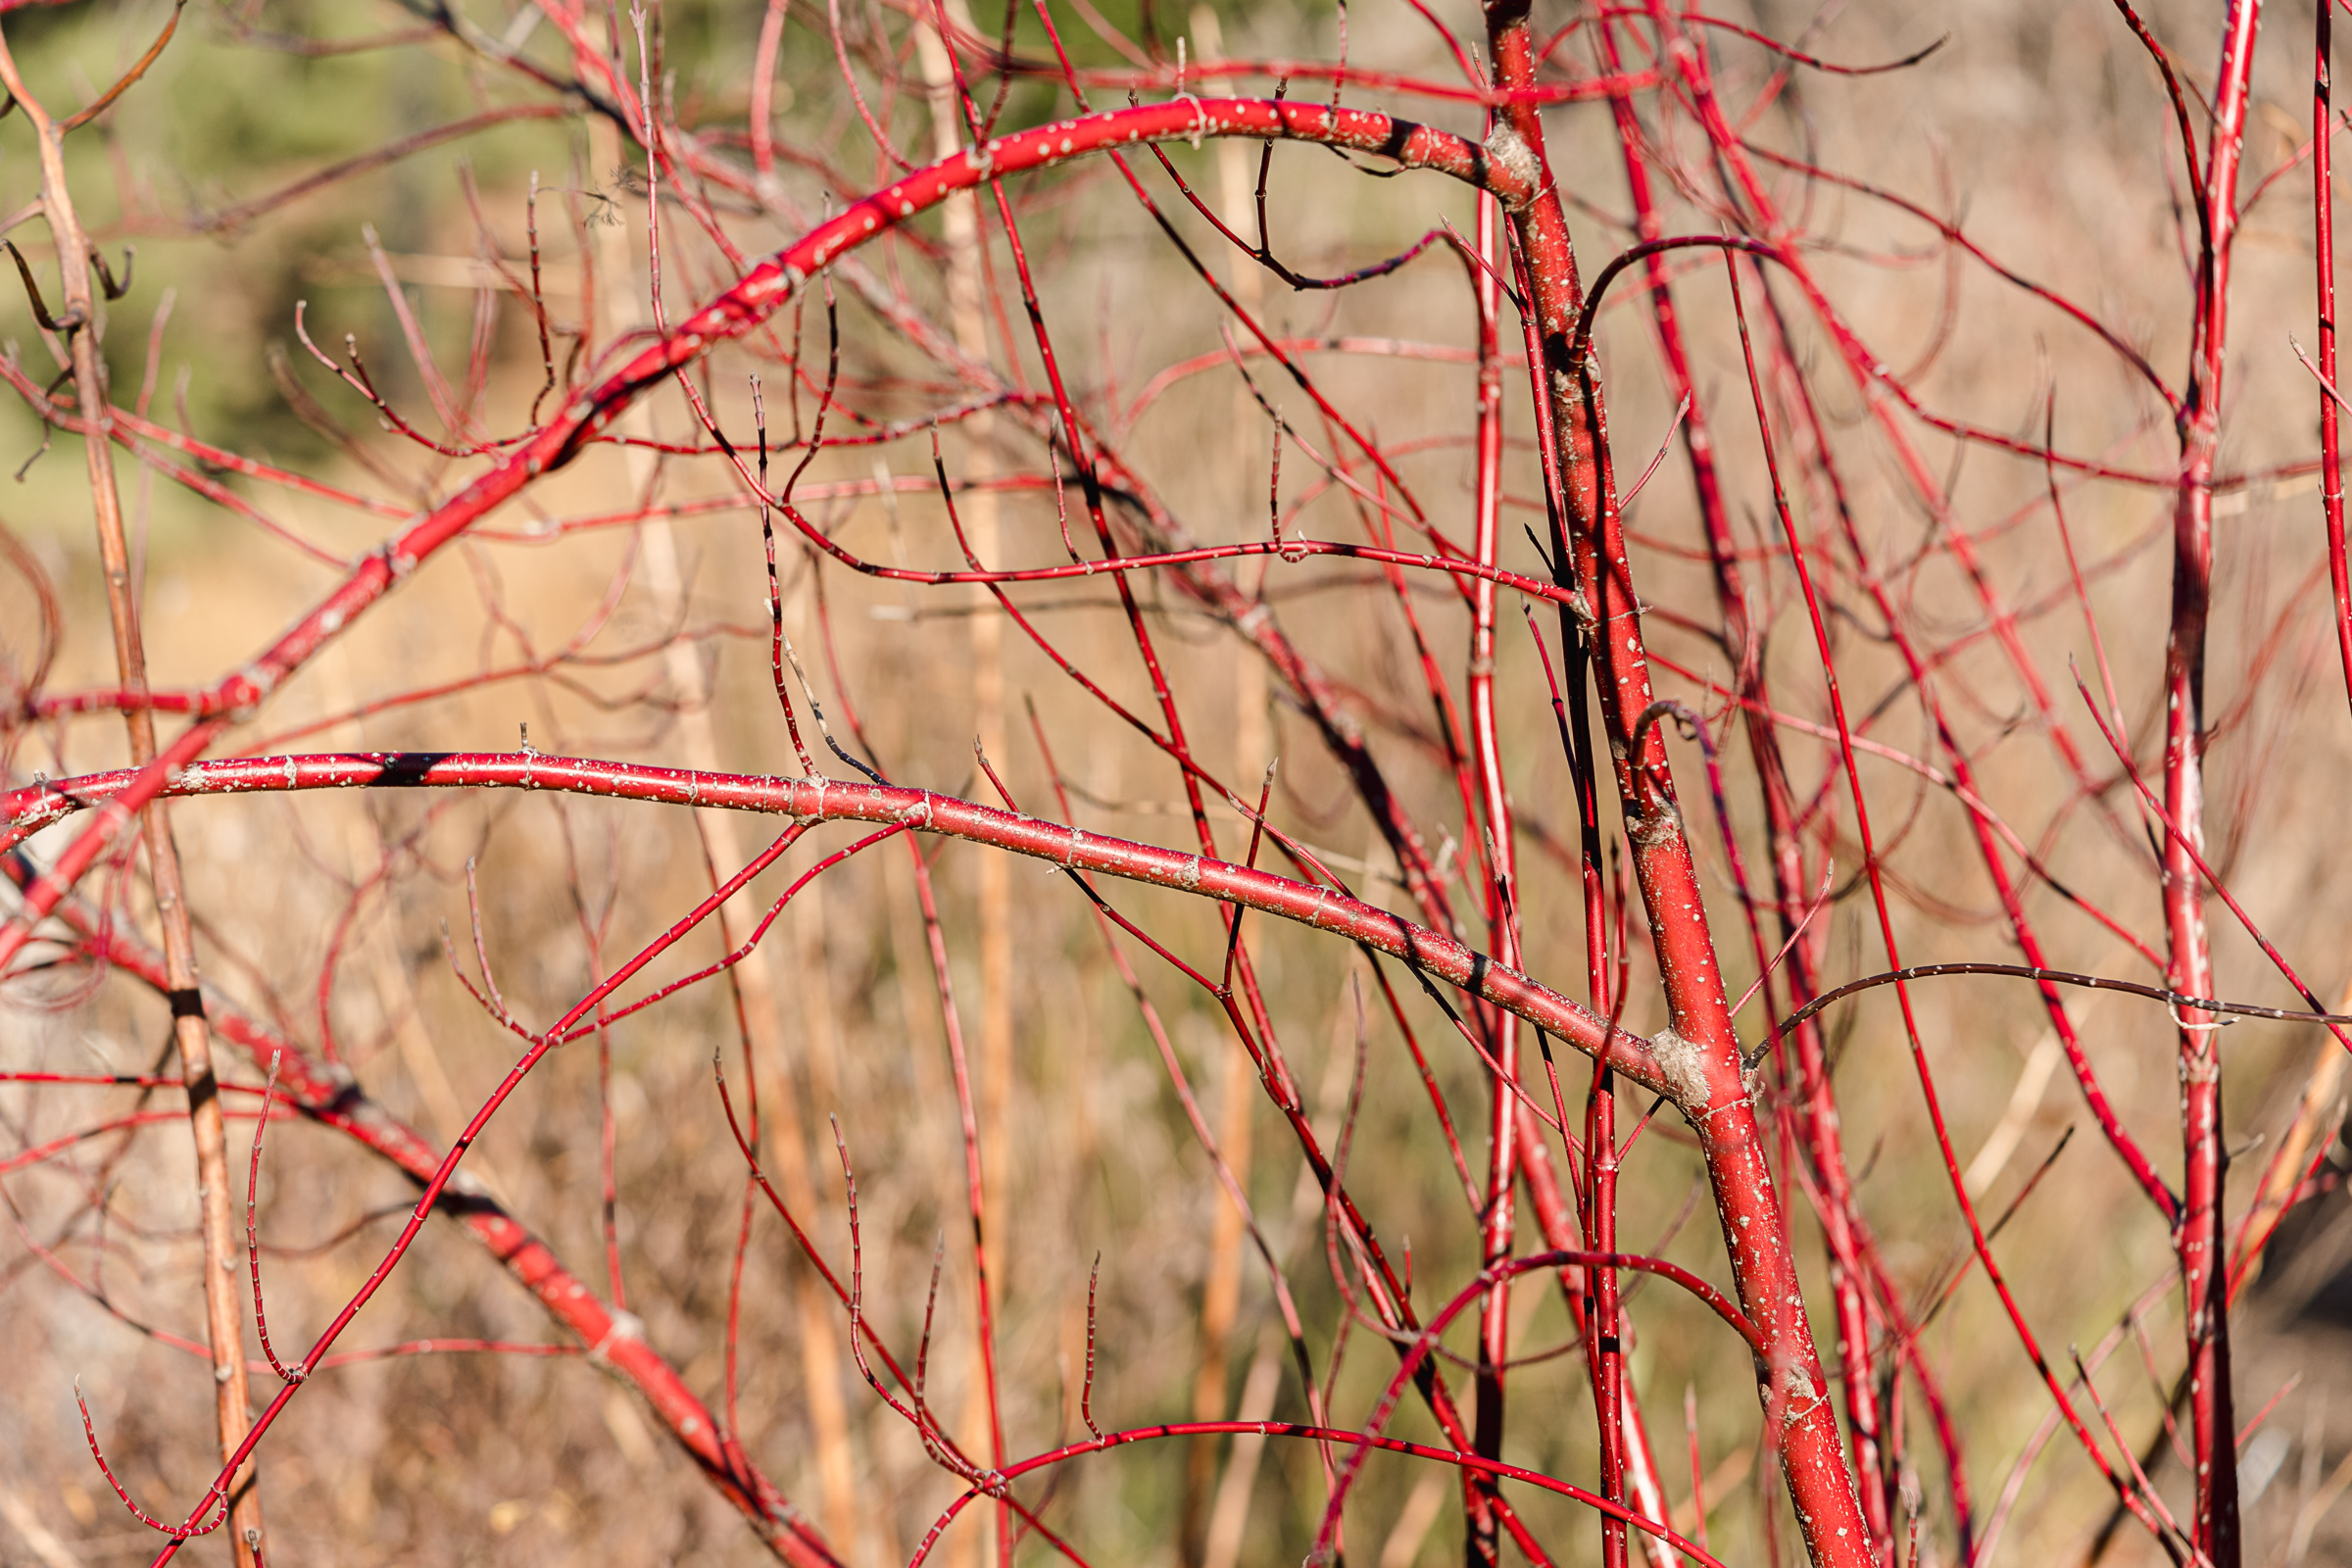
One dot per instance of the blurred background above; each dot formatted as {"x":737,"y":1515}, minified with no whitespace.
{"x":391,"y":178}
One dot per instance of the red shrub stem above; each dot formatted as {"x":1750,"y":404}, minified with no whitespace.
{"x":2323,"y":236}
{"x":1701,"y":1039}
{"x":2200,"y":1238}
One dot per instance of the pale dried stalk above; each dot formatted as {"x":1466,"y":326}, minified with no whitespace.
{"x":1229,"y":1516}
{"x":224,"y":1312}
{"x":2321,"y":1107}
{"x":961,"y":220}
{"x":1220,"y":1294}
{"x":753,"y":977}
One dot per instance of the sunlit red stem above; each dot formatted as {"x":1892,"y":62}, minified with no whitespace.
{"x":591,"y":411}
{"x":810,"y":1548}
{"x":1336,"y":1435}
{"x":1875,"y":874}
{"x":1502,"y":926}
{"x":328,"y":1096}
{"x":2199,"y":1235}
{"x":1874,"y":381}
{"x":1816,"y":1113}
{"x":1324,"y":909}
{"x":2323,"y":236}
{"x":1594,"y":1264}
{"x":1700,"y":1037}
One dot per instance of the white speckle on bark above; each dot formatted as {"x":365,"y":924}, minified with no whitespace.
{"x":625,"y":1326}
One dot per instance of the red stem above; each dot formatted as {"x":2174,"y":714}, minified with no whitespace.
{"x":2199,"y":1236}
{"x":2322,"y":235}
{"x":810,"y":801}
{"x":327,"y":1096}
{"x":1700,"y":1039}
{"x":1502,"y":936}
{"x":741,"y":308}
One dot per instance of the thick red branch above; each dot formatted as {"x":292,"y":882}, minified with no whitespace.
{"x":822,"y":800}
